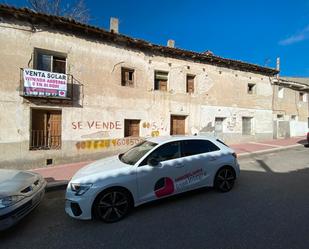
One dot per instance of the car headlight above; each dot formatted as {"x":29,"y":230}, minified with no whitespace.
{"x":10,"y":200}
{"x":80,"y":188}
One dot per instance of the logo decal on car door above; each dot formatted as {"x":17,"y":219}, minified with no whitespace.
{"x":190,"y":179}
{"x":164,"y":186}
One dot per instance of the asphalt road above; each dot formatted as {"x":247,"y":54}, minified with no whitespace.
{"x":268,"y":208}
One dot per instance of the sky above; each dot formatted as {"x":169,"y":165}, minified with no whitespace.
{"x":255,"y":31}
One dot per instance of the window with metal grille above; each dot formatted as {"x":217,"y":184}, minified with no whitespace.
{"x":127,"y":77}
{"x":160,"y":78}
{"x":190,"y":83}
{"x":45,"y":129}
{"x":246,"y":125}
{"x":131,"y":127}
{"x":50,"y":61}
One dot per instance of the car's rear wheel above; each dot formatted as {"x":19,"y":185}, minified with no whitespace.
{"x":112,"y":205}
{"x":225,"y":179}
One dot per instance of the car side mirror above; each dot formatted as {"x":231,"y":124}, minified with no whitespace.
{"x":153,"y":162}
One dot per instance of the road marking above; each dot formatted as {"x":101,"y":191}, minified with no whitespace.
{"x":271,"y":145}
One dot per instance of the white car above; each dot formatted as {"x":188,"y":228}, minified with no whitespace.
{"x":156,"y":168}
{"x":20,"y":193}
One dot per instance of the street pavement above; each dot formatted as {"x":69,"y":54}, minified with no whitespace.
{"x":58,"y":176}
{"x":268,"y":208}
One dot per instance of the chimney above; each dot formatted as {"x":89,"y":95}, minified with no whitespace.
{"x":114,"y":25}
{"x":278,"y":66}
{"x":171,"y":43}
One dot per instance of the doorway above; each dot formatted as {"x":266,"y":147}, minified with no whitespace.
{"x":178,"y":125}
{"x":45,"y":129}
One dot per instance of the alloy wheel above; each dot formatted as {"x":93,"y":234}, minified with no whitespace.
{"x":113,"y":206}
{"x":225,"y":180}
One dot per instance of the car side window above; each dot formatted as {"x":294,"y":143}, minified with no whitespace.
{"x":165,"y":152}
{"x":194,"y":147}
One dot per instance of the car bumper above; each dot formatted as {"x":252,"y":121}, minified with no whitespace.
{"x":11,"y":215}
{"x":79,"y":207}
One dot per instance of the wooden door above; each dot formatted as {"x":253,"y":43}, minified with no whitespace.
{"x":178,"y":125}
{"x":132,"y":128}
{"x":54,"y":129}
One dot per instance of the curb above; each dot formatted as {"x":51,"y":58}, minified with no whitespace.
{"x":260,"y":152}
{"x":58,"y":185}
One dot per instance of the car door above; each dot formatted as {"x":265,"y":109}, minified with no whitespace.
{"x":156,"y":181}
{"x":200,"y":158}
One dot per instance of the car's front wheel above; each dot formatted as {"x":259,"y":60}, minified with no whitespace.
{"x":112,"y":205}
{"x":225,"y":179}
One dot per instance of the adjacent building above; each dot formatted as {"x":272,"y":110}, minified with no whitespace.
{"x":71,"y":92}
{"x":291,"y":106}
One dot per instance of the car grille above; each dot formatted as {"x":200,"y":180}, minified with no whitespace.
{"x":32,"y":188}
{"x":22,"y":210}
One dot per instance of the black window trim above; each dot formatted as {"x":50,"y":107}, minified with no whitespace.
{"x":53,"y":53}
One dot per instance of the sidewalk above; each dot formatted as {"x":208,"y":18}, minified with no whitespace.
{"x":58,"y":176}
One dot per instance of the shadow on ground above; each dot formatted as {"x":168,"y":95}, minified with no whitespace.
{"x":303,"y":142}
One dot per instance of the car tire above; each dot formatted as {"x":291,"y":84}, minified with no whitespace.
{"x":112,"y":205}
{"x":225,"y":179}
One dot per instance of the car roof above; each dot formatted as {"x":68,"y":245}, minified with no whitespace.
{"x":165,"y":139}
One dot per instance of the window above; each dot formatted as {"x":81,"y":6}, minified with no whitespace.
{"x":246,"y":125}
{"x":137,"y":152}
{"x":194,"y":147}
{"x":131,"y":127}
{"x":280,"y":116}
{"x":49,"y":61}
{"x":251,"y":88}
{"x":160,"y":80}
{"x":293,"y":117}
{"x":127,"y":77}
{"x":302,"y":97}
{"x":45,"y":130}
{"x":219,"y":124}
{"x":165,"y":152}
{"x":280,"y":92}
{"x":190,"y":83}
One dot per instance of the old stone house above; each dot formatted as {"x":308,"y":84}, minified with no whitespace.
{"x":291,"y":106}
{"x":71,"y":92}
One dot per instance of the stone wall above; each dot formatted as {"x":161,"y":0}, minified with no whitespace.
{"x":95,"y":128}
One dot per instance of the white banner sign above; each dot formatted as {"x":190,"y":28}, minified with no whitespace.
{"x":43,"y":83}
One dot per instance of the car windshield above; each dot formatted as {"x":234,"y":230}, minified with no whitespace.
{"x":136,"y":152}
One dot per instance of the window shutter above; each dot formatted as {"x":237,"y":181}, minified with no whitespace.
{"x":190,"y":84}
{"x":163,"y":85}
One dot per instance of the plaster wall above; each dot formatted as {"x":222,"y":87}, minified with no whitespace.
{"x":96,"y":127}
